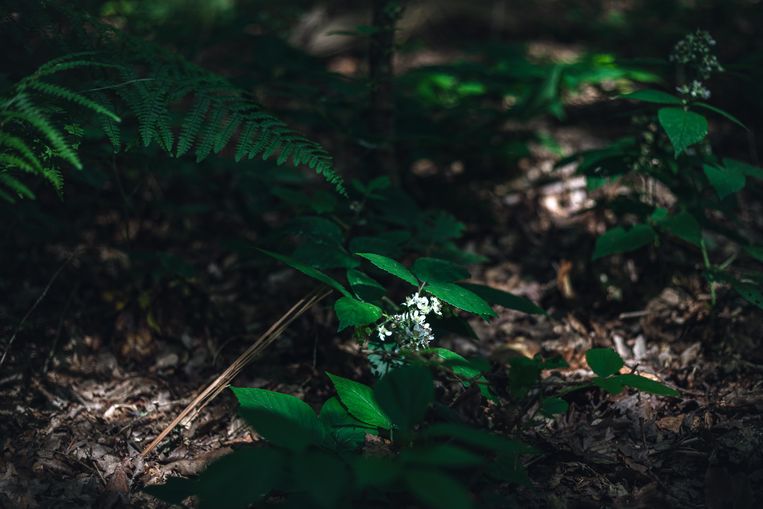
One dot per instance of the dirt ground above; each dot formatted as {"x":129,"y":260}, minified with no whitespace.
{"x":91,"y":377}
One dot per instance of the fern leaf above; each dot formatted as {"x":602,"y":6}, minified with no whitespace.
{"x":192,"y":125}
{"x":69,"y":95}
{"x":16,"y":185}
{"x":13,"y":142}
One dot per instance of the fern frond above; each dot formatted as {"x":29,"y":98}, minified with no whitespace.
{"x":192,"y":125}
{"x":17,"y":144}
{"x":69,"y":95}
{"x":16,"y":185}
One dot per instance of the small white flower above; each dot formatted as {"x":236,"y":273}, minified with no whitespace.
{"x":383,"y":332}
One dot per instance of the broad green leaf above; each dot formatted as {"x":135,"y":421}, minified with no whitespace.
{"x":745,"y":169}
{"x":460,"y":297}
{"x":360,"y":402}
{"x":438,"y":490}
{"x":604,"y":361}
{"x":353,"y":312}
{"x":310,"y":271}
{"x":391,"y":266}
{"x":364,"y":286}
{"x":463,"y":368}
{"x":324,"y":255}
{"x":524,"y":373}
{"x":552,"y":406}
{"x":755,"y":251}
{"x":435,"y":270}
{"x":725,"y":181}
{"x":684,"y":128}
{"x":404,"y":394}
{"x":323,"y":476}
{"x":647,"y":385}
{"x":235,"y":481}
{"x":722,"y":113}
{"x":505,"y":299}
{"x":611,"y":384}
{"x":375,"y":471}
{"x":348,"y":432}
{"x":750,"y":292}
{"x":283,"y":419}
{"x":619,"y":240}
{"x":653,"y":96}
{"x":684,"y":226}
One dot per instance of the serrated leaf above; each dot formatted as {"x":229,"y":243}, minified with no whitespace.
{"x":725,"y":181}
{"x":684,"y":128}
{"x":283,"y":419}
{"x":390,"y":266}
{"x":353,"y":312}
{"x":604,"y":361}
{"x":359,"y":400}
{"x":684,"y":226}
{"x":404,"y":394}
{"x":309,"y":271}
{"x":435,"y":270}
{"x":619,"y":240}
{"x":723,"y":113}
{"x":460,"y":297}
{"x":364,"y":286}
{"x":504,"y":299}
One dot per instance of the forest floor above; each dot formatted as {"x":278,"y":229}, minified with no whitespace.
{"x":92,"y":376}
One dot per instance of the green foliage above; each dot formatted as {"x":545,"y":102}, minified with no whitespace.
{"x":672,"y":148}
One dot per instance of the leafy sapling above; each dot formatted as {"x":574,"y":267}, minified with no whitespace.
{"x":698,"y":188}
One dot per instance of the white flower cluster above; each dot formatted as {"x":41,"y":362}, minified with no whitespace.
{"x":410,"y":328}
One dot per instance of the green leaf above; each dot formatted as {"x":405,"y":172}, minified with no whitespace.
{"x":644,"y":384}
{"x":282,"y":419}
{"x":749,"y":292}
{"x":604,"y":361}
{"x":460,"y":297}
{"x":505,"y":299}
{"x":391,"y":266}
{"x":375,"y":471}
{"x":462,"y":368}
{"x":323,"y":476}
{"x":619,"y":240}
{"x":348,"y":432}
{"x":524,"y":372}
{"x":404,"y":394}
{"x":352,"y":312}
{"x":722,"y":113}
{"x":435,"y":270}
{"x":684,"y":128}
{"x":364,"y":286}
{"x":438,"y":490}
{"x":745,"y":169}
{"x":755,"y":251}
{"x":653,"y":96}
{"x":612,"y":384}
{"x":684,"y":226}
{"x":552,"y":406}
{"x":309,"y":271}
{"x":235,"y":481}
{"x":725,"y":181}
{"x":360,"y":402}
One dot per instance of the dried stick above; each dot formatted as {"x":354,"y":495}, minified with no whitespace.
{"x":262,"y":342}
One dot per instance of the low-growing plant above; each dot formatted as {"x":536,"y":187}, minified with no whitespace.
{"x":671,"y":152}
{"x":385,"y":445}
